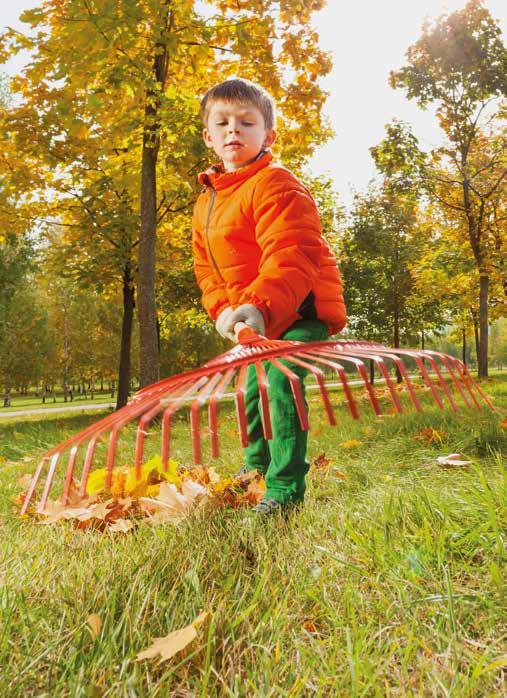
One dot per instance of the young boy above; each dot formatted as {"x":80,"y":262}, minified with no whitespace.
{"x":260,"y":258}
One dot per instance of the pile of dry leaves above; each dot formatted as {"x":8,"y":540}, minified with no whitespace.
{"x":158,"y":496}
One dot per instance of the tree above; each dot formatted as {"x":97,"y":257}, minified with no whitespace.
{"x":102,"y":75}
{"x":459,"y":65}
{"x":381,"y":242}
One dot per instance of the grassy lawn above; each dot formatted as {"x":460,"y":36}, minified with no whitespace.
{"x":390,"y":581}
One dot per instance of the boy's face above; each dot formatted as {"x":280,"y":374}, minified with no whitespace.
{"x":237,"y":133}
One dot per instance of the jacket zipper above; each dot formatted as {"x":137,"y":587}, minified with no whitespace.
{"x":210,"y":209}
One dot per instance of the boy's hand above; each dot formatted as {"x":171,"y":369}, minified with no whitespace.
{"x":222,"y":320}
{"x":248,"y":314}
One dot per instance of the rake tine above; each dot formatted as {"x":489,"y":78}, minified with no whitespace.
{"x":195,"y":410}
{"x":376,"y":358}
{"x":342,"y":376}
{"x":466,"y":373}
{"x":361,"y":368}
{"x":88,"y":464}
{"x":263,"y":392}
{"x":319,"y":376}
{"x":33,"y":485}
{"x":213,"y":410}
{"x":49,"y":480}
{"x":416,"y":355}
{"x":141,"y":434}
{"x":404,"y":374}
{"x":166,"y":419}
{"x":297,"y":392}
{"x":240,"y":406}
{"x":441,"y":380}
{"x":446,"y":361}
{"x":69,"y":474}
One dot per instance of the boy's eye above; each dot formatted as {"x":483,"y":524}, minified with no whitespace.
{"x":247,"y":123}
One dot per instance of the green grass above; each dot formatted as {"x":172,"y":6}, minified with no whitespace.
{"x":400,"y":567}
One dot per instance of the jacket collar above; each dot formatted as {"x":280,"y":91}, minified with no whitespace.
{"x":216,"y":177}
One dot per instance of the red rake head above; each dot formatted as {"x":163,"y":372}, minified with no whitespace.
{"x":225,"y":377}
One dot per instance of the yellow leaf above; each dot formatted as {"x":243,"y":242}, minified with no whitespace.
{"x":94,"y":623}
{"x":351,"y":443}
{"x":173,"y":643}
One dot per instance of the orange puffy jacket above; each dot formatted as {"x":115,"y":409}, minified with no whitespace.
{"x":257,"y":239}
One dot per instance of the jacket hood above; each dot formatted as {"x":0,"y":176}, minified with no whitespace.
{"x":216,"y":177}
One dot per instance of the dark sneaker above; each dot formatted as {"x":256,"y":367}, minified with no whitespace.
{"x":266,"y":507}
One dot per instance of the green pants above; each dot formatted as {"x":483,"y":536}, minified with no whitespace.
{"x":282,"y":459}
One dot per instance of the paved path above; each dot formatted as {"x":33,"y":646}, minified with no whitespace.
{"x":64,"y":408}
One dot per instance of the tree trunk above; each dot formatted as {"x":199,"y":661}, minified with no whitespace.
{"x":126,"y":338}
{"x":476,"y":336}
{"x":482,"y":356}
{"x":464,"y":344}
{"x":422,"y":339}
{"x":149,"y":355}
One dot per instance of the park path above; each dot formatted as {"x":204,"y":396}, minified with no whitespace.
{"x":76,"y":408}
{"x":64,"y":408}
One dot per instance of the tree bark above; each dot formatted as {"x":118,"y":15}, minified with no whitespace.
{"x":476,"y":336}
{"x":482,"y":357}
{"x":147,"y":311}
{"x":464,"y":345}
{"x":126,"y":338}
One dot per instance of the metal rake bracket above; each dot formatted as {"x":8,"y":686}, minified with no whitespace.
{"x":325,"y":361}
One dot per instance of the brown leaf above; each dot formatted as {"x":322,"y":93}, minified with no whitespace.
{"x":94,"y":623}
{"x":310,"y":627}
{"x":321,"y":462}
{"x":173,"y":643}
{"x":255,"y":491}
{"x":429,"y":436}
{"x":503,"y":423}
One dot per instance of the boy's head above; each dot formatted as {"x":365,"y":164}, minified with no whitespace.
{"x":239,"y":119}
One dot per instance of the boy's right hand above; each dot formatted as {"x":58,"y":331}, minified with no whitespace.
{"x":222,"y":323}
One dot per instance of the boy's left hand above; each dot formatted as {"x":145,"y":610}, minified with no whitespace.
{"x":248,"y":314}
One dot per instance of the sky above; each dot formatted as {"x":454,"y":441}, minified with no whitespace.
{"x":367,"y":39}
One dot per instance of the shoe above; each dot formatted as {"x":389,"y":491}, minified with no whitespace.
{"x":245,"y":471}
{"x":266,"y":507}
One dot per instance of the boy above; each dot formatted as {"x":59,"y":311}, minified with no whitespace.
{"x":260,"y":258}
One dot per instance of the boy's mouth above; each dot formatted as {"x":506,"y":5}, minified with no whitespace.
{"x":233,"y":144}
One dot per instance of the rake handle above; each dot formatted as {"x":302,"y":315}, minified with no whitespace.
{"x":245,"y":334}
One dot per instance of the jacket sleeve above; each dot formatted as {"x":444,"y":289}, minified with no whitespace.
{"x":288,"y":231}
{"x":214,"y":296}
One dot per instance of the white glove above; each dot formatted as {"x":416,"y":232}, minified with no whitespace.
{"x":248,"y":314}
{"x":222,"y":320}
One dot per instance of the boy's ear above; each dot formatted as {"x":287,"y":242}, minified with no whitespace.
{"x":270,"y":138}
{"x":206,"y":137}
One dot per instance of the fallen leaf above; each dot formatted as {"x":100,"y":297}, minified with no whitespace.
{"x":255,"y":491}
{"x":453,"y":460}
{"x":503,"y":423}
{"x":339,"y":474}
{"x":310,"y":627}
{"x":173,"y":643}
{"x":351,"y":443}
{"x":94,"y":623}
{"x":429,"y":436}
{"x":122,"y":526}
{"x":321,"y":462}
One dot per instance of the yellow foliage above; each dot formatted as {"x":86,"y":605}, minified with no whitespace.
{"x":125,"y":482}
